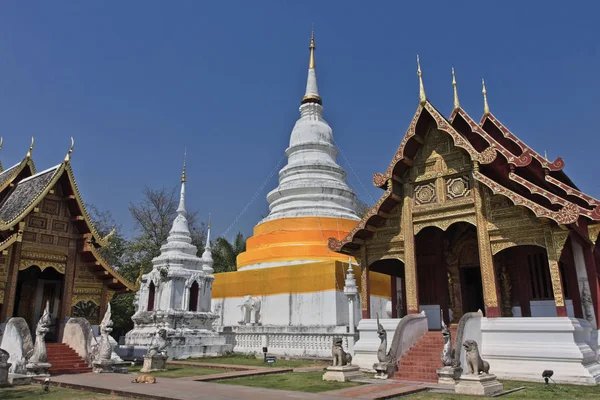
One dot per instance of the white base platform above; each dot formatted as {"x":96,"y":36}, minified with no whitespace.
{"x":521,"y":348}
{"x":304,"y":341}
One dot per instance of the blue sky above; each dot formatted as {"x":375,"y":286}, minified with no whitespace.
{"x":137,"y":81}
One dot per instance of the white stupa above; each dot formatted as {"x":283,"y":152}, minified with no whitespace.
{"x":312,"y":184}
{"x":176,"y":296}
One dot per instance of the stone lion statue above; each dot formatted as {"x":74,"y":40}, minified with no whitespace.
{"x":474,"y":361}
{"x":340,"y":357}
{"x":159,"y":344}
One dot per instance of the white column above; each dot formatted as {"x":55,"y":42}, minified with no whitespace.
{"x":583,"y":283}
{"x":350,"y":290}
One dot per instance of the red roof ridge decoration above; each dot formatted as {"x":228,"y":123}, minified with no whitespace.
{"x":522,"y":160}
{"x":573,"y":192}
{"x":556,"y":165}
{"x":569,"y":214}
{"x":554,"y":199}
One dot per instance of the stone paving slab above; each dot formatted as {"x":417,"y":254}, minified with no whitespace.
{"x":215,"y":365}
{"x":378,"y":391}
{"x":178,"y":389}
{"x":236,"y":374}
{"x":310,"y":369}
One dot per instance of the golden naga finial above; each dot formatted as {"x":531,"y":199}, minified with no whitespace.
{"x":110,"y":234}
{"x":30,"y":148}
{"x":183,"y":177}
{"x":311,"y":63}
{"x":68,"y":156}
{"x":422,"y":97}
{"x":456,"y":102}
{"x":486,"y":107}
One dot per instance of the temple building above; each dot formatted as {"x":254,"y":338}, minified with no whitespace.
{"x":471,"y":218}
{"x":288,"y":277}
{"x":49,"y":248}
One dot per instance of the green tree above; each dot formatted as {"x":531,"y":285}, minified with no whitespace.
{"x":116,"y":253}
{"x":153,"y":217}
{"x":225,"y":253}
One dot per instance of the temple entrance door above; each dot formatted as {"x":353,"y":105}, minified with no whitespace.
{"x":472,"y":289}
{"x":395,"y":269}
{"x":34,"y":289}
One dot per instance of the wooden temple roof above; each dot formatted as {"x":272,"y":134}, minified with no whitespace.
{"x":23,"y":189}
{"x":507,"y":166}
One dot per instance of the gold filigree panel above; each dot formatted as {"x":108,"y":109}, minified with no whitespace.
{"x":43,"y":261}
{"x":457,"y":187}
{"x":425,"y":193}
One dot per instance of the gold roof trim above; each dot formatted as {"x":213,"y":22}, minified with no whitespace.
{"x":8,"y":241}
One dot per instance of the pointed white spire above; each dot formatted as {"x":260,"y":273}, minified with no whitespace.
{"x":207,"y":260}
{"x":208,"y":234}
{"x":312,"y":91}
{"x":181,"y":209}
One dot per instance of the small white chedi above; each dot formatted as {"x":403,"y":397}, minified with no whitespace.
{"x":176,"y":296}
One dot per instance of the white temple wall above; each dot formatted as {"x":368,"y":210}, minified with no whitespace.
{"x":327,"y":308}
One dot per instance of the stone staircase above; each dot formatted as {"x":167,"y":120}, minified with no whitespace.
{"x":420,"y":363}
{"x":65,"y":360}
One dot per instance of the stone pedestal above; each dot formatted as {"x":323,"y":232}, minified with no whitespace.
{"x":384,"y":370}
{"x":4,"y":375}
{"x":448,"y":375}
{"x":38,"y":369}
{"x":342,"y":374}
{"x":154,"y":363}
{"x":478,"y":385}
{"x":4,"y":366}
{"x":103,"y":366}
{"x":19,"y":379}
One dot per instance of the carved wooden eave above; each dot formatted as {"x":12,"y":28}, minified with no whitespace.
{"x":100,"y":240}
{"x":573,"y":192}
{"x":367,"y":225}
{"x":594,"y":214}
{"x":568,"y":214}
{"x":105,"y":271}
{"x":9,"y":241}
{"x":593,"y":232}
{"x":552,"y":172}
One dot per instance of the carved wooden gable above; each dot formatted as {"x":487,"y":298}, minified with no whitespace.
{"x":441,"y":170}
